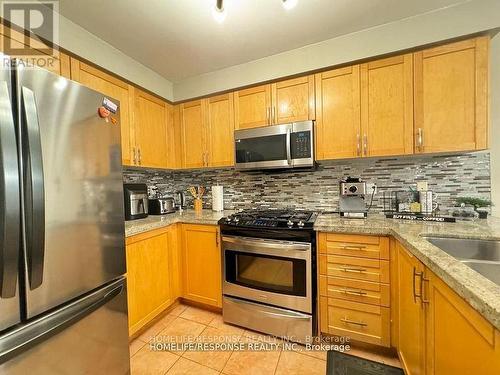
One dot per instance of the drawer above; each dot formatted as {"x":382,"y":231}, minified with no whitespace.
{"x":372,"y":247}
{"x":359,"y":321}
{"x":354,"y":268}
{"x":355,"y":290}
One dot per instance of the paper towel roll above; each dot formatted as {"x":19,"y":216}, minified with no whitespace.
{"x":217,"y":198}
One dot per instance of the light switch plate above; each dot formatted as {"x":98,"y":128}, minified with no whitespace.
{"x":422,"y":186}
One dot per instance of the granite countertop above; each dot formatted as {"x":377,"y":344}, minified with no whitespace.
{"x":186,"y":216}
{"x":481,"y":293}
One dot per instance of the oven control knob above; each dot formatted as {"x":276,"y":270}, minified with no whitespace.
{"x":300,"y":224}
{"x":289,"y":223}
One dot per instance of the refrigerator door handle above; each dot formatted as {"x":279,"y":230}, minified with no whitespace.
{"x":39,"y":330}
{"x":34,"y":189}
{"x":10,"y":216}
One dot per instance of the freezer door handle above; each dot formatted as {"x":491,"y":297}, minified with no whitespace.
{"x":34,"y":189}
{"x":10,"y":216}
{"x":41,"y":329}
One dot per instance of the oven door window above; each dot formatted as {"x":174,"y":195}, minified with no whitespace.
{"x":268,"y":148}
{"x":267,"y":273}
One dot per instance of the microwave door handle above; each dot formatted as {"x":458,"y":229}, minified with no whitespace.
{"x":10,"y":219}
{"x":289,"y":145}
{"x":34,"y":189}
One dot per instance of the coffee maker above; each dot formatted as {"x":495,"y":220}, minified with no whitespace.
{"x":352,"y":198}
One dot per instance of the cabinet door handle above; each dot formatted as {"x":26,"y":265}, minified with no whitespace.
{"x":268,"y":112}
{"x":358,"y":147}
{"x":348,"y":321}
{"x":365,"y":144}
{"x":135,"y":155}
{"x":415,"y":275}
{"x":274,"y":115}
{"x":420,"y":139}
{"x":349,"y":269}
{"x":139,"y":155}
{"x":217,"y":238}
{"x":424,"y":300}
{"x":352,"y":247}
{"x":353,"y":292}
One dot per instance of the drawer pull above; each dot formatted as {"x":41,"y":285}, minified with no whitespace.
{"x":347,"y":321}
{"x":353,"y":247}
{"x":353,"y":292}
{"x":349,"y":269}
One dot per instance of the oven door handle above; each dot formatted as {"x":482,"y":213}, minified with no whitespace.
{"x":260,"y":243}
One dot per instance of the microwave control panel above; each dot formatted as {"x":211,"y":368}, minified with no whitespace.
{"x":301,"y":145}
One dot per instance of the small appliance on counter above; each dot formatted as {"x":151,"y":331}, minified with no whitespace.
{"x":180,"y":200}
{"x":161,"y":206}
{"x":352,"y":198}
{"x":217,"y":198}
{"x":136,"y":201}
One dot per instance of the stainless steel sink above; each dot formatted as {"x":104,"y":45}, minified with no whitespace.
{"x":468,"y":249}
{"x":483,"y":256}
{"x":490,"y":270}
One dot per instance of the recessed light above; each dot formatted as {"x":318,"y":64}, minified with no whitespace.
{"x":218,"y":11}
{"x":289,"y":4}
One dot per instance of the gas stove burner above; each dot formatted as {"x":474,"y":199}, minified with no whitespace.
{"x":286,"y":219}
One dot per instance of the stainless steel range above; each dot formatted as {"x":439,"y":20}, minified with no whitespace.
{"x":269,"y":272}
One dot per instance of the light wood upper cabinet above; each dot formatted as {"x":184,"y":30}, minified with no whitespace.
{"x":411,"y":324}
{"x":387,"y":106}
{"x":116,"y":89}
{"x":202,"y":264}
{"x":252,"y":107}
{"x":192,"y":124}
{"x":220,"y":130}
{"x":174,"y":148}
{"x":293,"y":100}
{"x":338,"y":116}
{"x":282,"y":102}
{"x":451,"y":97}
{"x":150,"y":130}
{"x":459,"y":340}
{"x":207,"y":132}
{"x":57,"y":62}
{"x":148,"y":277}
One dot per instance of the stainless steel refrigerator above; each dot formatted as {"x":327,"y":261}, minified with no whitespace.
{"x":63,"y":306}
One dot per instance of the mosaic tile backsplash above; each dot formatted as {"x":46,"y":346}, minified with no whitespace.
{"x":449,"y":176}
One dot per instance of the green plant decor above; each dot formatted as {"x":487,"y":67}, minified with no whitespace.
{"x":476,"y":203}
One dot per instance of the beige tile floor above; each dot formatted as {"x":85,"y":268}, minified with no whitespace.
{"x":194,"y":322}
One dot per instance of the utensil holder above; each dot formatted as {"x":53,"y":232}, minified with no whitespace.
{"x":198,"y":204}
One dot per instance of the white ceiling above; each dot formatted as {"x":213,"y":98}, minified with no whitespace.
{"x":180,"y":39}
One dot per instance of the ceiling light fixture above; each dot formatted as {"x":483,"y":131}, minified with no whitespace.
{"x":218,"y":12}
{"x":289,"y":4}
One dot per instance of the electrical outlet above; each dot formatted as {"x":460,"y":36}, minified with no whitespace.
{"x":422,"y":186}
{"x":371,"y":188}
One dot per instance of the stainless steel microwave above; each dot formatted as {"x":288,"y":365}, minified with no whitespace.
{"x":275,"y":147}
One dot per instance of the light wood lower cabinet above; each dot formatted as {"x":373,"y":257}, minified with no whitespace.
{"x":410,"y":310}
{"x":149,"y":267}
{"x":354,"y":289}
{"x":438,"y":331}
{"x":459,"y":340}
{"x":202,"y":264}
